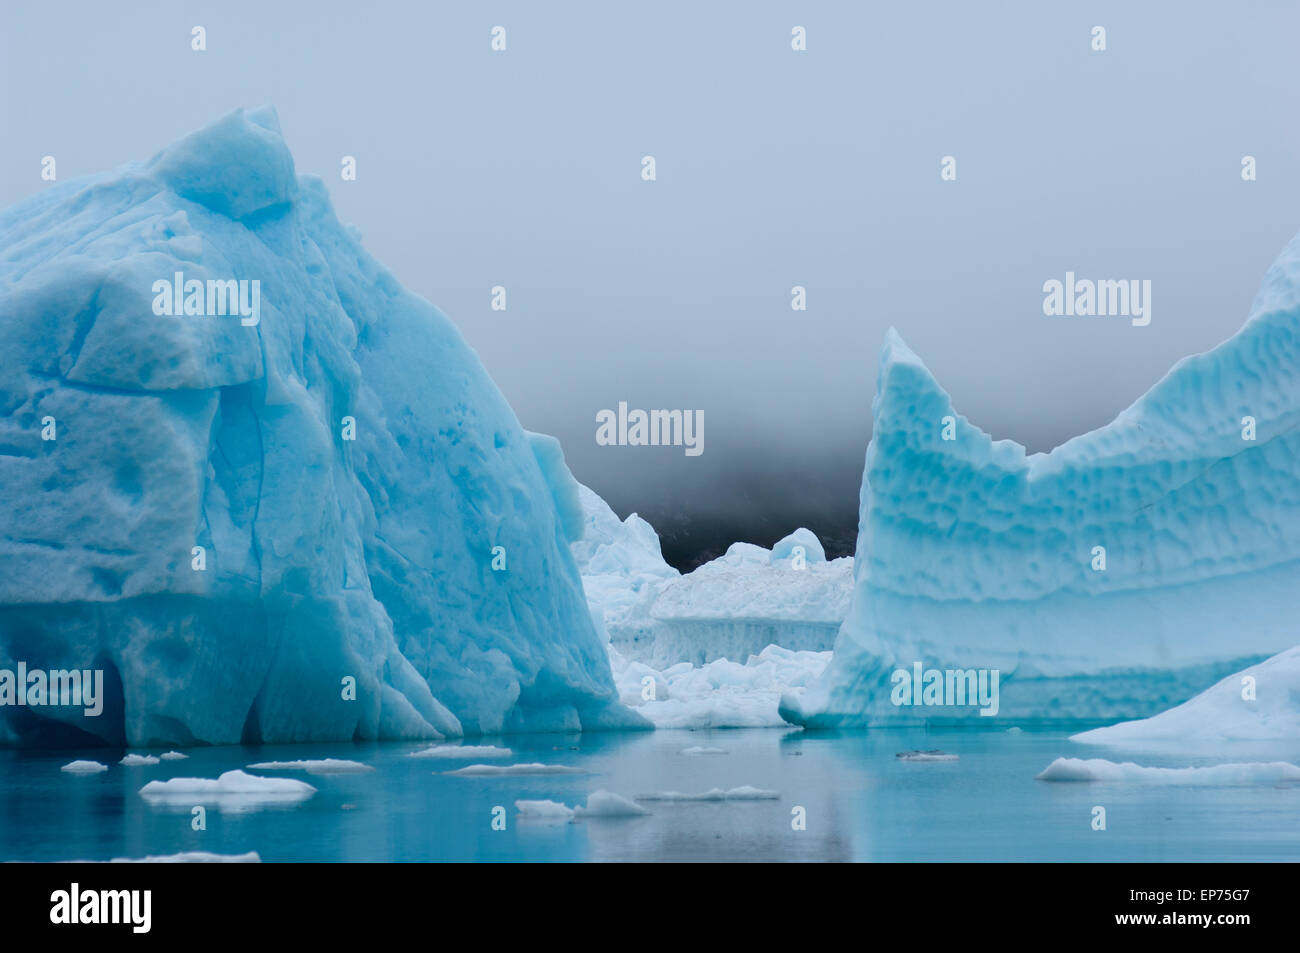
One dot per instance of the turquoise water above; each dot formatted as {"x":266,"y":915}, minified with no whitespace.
{"x":861,"y":804}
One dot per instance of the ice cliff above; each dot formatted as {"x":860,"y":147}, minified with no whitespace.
{"x":1113,"y":577}
{"x":234,"y":514}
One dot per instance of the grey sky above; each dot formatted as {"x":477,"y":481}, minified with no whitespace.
{"x":775,"y":168}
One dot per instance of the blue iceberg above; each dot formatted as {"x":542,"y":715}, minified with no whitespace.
{"x":270,"y":493}
{"x":1112,"y":578}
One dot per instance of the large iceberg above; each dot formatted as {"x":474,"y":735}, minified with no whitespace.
{"x":241,"y":467}
{"x":1113,"y":577}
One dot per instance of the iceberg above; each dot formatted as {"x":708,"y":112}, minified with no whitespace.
{"x":314,"y":766}
{"x":750,"y":598}
{"x":600,"y":804}
{"x":604,"y":803}
{"x":1231,"y":775}
{"x":622,"y":568}
{"x":234,"y":791}
{"x":139,"y":760}
{"x":679,"y":633}
{"x":1111,"y":578}
{"x":743,"y":793}
{"x":546,"y":810}
{"x":298,"y":510}
{"x":731,"y":607}
{"x":84,"y":767}
{"x":926,"y":756}
{"x":462,"y":752}
{"x":184,"y":857}
{"x":1259,"y":704}
{"x":528,"y":769}
{"x":721,"y":693}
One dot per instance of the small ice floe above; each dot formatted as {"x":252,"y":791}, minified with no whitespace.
{"x":233,"y":790}
{"x":173,"y":756}
{"x":743,"y":793}
{"x":502,"y":770}
{"x":462,"y":751}
{"x":608,"y":804}
{"x":136,"y":760}
{"x":600,"y":804}
{"x":84,"y":767}
{"x":322,"y":766}
{"x":934,"y":754}
{"x":184,"y":857}
{"x":1228,"y":775}
{"x":546,"y":810}
{"x":697,"y":749}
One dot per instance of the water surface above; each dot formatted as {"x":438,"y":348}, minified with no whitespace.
{"x":861,"y":804}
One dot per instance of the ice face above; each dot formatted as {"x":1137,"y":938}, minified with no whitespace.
{"x":1111,"y":578}
{"x":267,"y":490}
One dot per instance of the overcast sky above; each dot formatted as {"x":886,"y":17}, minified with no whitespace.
{"x":774,"y":168}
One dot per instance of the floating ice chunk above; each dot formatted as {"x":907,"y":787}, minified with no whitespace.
{"x":608,"y":804}
{"x":551,"y":810}
{"x":323,"y":766}
{"x":462,"y":751}
{"x":1231,"y":775}
{"x":935,"y":755}
{"x":84,"y":767}
{"x":173,"y":756}
{"x":184,"y":857}
{"x":194,"y":857}
{"x":232,"y":790}
{"x":599,"y":804}
{"x":136,"y":760}
{"x":503,"y":770}
{"x":743,"y":793}
{"x":749,"y":793}
{"x":1258,"y":704}
{"x":697,"y":749}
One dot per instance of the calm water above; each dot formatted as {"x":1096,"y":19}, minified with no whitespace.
{"x":861,"y":804}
